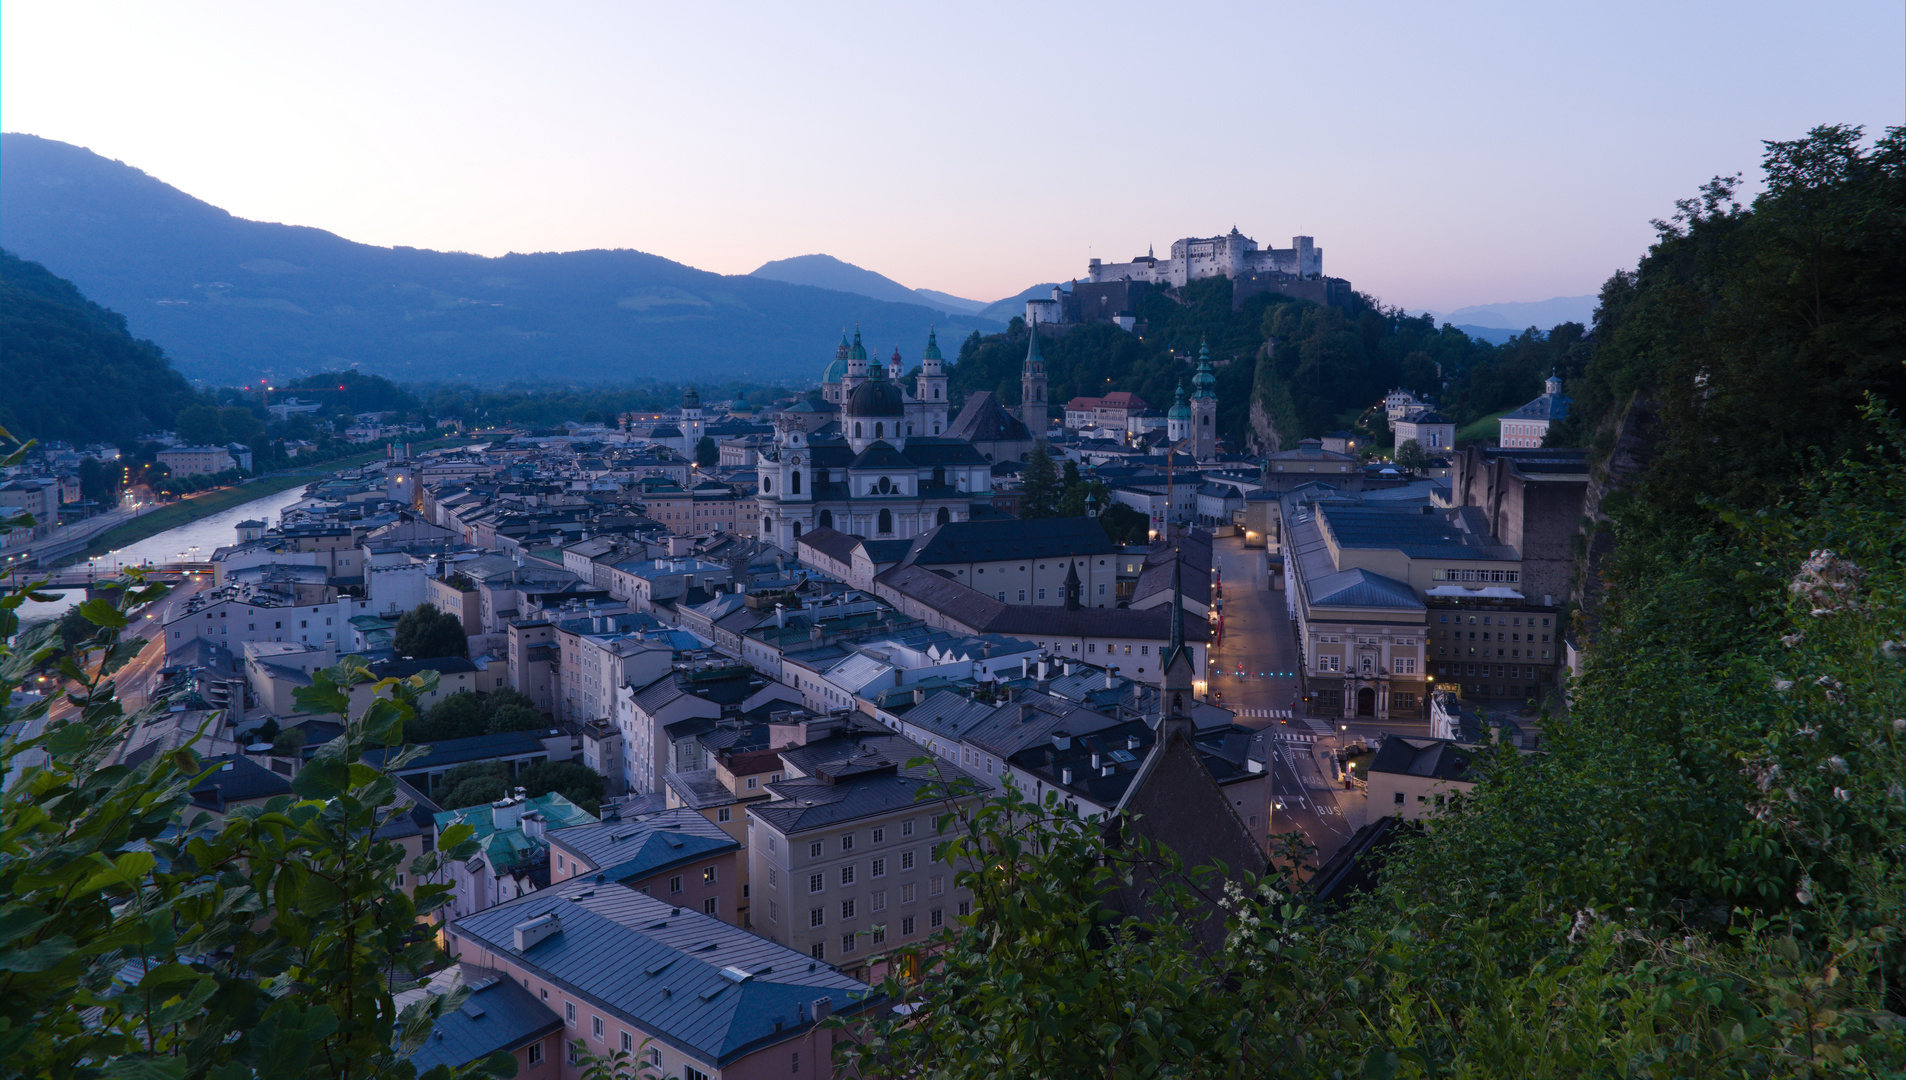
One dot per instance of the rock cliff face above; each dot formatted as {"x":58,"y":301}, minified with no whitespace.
{"x":1634,"y":443}
{"x":1263,"y":432}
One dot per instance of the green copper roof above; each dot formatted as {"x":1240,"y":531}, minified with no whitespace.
{"x":859,"y":351}
{"x":933,"y":347}
{"x":1034,"y":362}
{"x":836,"y":371}
{"x":1179,"y":410}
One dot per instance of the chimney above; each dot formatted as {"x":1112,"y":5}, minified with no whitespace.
{"x":1061,"y":740}
{"x":822,"y":1008}
{"x":506,"y":813}
{"x":781,"y":616}
{"x":532,"y":933}
{"x":1111,"y":678}
{"x":1065,"y":775}
{"x":1025,"y":666}
{"x":1131,"y":742}
{"x":1042,"y":669}
{"x":1095,"y":759}
{"x":1028,"y":712}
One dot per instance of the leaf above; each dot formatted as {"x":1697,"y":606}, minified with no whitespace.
{"x":1380,"y":1064}
{"x":147,"y":1068}
{"x":19,"y":920}
{"x":127,"y":869}
{"x":100,"y":612}
{"x":325,"y":777}
{"x":39,"y":957}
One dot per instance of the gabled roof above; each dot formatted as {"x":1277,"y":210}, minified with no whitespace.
{"x":984,"y":419}
{"x":1361,"y":588}
{"x":687,"y":979}
{"x":499,"y":1015}
{"x":1438,"y":759}
{"x":1010,"y":538}
{"x":639,"y":847}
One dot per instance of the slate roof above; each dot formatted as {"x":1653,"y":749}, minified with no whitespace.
{"x":1546,"y":407}
{"x":1361,"y":588}
{"x":475,"y":748}
{"x":639,"y":847}
{"x":880,"y":455}
{"x":235,"y":778}
{"x":984,"y":419}
{"x":1408,"y":530}
{"x":499,"y":1015}
{"x":1438,"y":759}
{"x":1011,"y":538}
{"x":984,"y":615}
{"x":831,"y":542}
{"x":850,"y":777}
{"x":664,"y":969}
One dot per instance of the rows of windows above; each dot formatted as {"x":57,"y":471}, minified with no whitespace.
{"x":1496,"y":577}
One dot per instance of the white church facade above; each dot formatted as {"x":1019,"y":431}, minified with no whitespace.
{"x":883,"y":470}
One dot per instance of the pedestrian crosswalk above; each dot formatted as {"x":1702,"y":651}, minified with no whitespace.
{"x":1269,"y":714}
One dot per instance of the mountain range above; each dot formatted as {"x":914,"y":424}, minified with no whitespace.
{"x":827,"y":272}
{"x":232,"y":300}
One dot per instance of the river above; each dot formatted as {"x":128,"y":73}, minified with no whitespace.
{"x":193,"y":541}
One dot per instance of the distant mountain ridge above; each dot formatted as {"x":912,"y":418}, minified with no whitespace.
{"x":1520,"y":315}
{"x":827,"y":272}
{"x":232,"y":300}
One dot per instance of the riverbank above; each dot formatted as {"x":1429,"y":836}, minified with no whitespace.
{"x":193,"y":507}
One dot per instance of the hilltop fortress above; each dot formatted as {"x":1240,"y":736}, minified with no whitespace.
{"x":1110,"y":292}
{"x":1233,"y":255}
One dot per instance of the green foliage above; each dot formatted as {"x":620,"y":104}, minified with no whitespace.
{"x":1410,"y":456}
{"x":53,"y":341}
{"x":488,"y":781}
{"x":141,"y":938}
{"x":1039,"y":485}
{"x":1759,"y":331}
{"x":467,"y":714}
{"x":706,"y":452}
{"x":426,"y":633}
{"x":1124,"y":524}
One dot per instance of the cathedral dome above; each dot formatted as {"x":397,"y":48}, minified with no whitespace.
{"x":875,"y":398}
{"x":1179,"y":410}
{"x":836,"y":371}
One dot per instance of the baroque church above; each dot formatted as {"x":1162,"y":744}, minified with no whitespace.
{"x":884,"y":468}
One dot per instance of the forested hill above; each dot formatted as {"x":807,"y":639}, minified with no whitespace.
{"x":232,"y":300}
{"x":68,"y":368}
{"x":1326,"y":366}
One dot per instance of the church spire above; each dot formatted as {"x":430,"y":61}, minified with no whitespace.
{"x":1177,"y":604}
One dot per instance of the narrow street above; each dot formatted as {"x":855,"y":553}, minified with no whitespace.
{"x":1254,"y":674}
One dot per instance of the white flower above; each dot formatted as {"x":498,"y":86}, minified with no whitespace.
{"x":1790,"y":640}
{"x":1783,"y":685}
{"x":1842,"y":794}
{"x":1803,"y":894}
{"x":1827,"y":681}
{"x":1837,"y":764}
{"x":1892,"y":649}
{"x":1899,"y":727}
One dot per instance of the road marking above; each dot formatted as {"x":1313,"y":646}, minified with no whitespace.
{"x":1271,"y":714}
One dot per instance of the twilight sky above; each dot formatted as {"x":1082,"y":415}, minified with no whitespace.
{"x":1442,"y":154}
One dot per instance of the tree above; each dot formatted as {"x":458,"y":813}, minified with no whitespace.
{"x":706,"y":452}
{"x":1125,"y":525}
{"x":571,"y":779}
{"x":239,"y":424}
{"x":424,"y":632}
{"x":141,"y":937}
{"x":1039,"y":485}
{"x":473,"y":785}
{"x":200,"y":425}
{"x":1410,"y":457}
